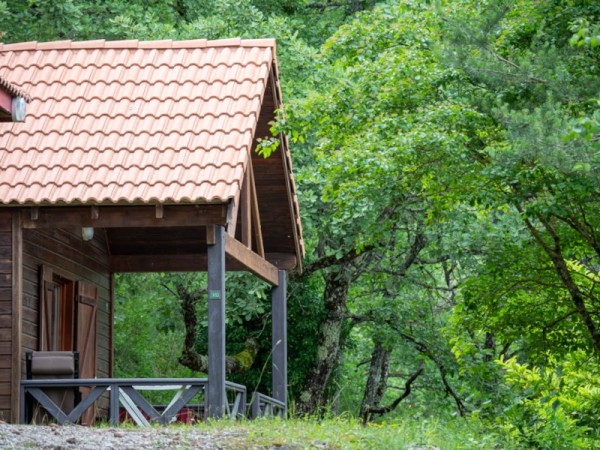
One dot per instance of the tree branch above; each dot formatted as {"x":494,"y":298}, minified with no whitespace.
{"x":407,"y":389}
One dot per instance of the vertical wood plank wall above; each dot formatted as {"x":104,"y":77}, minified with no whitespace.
{"x":5,"y":314}
{"x":73,"y":258}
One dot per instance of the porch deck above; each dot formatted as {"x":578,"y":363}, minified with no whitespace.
{"x":125,"y":393}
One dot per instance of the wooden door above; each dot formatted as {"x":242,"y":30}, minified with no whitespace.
{"x":87,"y":311}
{"x":57,"y":310}
{"x":48,"y":333}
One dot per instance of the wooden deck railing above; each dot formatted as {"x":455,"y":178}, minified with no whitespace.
{"x":265,"y":406}
{"x":125,"y":392}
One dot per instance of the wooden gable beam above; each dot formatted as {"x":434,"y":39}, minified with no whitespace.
{"x":260,"y":248}
{"x":249,"y":213}
{"x":245,"y":207}
{"x":253,"y":262}
{"x":232,"y":213}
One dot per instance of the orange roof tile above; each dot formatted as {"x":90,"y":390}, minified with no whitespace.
{"x":129,"y":121}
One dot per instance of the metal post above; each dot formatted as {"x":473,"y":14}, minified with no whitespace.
{"x":216,"y":325}
{"x":114,"y":404}
{"x":279,"y":339}
{"x":22,"y":406}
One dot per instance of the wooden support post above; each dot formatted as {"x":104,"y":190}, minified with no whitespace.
{"x":17,"y":319}
{"x":216,"y":396}
{"x":279,"y":340}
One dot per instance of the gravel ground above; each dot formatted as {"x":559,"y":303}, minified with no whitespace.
{"x":57,"y":437}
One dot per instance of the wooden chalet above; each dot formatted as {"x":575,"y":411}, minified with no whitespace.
{"x":137,"y":157}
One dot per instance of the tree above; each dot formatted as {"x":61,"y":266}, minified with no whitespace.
{"x":537,"y":87}
{"x":388,"y":139}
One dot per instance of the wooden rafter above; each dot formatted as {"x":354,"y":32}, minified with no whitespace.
{"x":255,"y":213}
{"x":232,"y":213}
{"x":249,"y":213}
{"x":245,"y":207}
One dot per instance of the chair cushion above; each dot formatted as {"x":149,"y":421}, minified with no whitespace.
{"x":52,"y":363}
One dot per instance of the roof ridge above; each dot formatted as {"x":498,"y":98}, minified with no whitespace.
{"x":134,"y":43}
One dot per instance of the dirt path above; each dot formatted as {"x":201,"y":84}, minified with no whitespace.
{"x":57,"y":437}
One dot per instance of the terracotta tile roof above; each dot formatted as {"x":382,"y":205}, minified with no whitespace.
{"x":132,"y":122}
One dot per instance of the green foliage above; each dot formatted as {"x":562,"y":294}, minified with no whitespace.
{"x":553,"y":407}
{"x":473,"y":126}
{"x":148,"y":335}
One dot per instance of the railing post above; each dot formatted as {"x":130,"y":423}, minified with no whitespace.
{"x":279,"y":340}
{"x":22,"y":406}
{"x":114,"y":404}
{"x":216,"y":394}
{"x":255,"y":406}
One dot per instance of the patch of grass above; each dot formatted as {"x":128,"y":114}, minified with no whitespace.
{"x":348,"y":433}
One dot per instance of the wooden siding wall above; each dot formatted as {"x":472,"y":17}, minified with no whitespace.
{"x":5,"y":314}
{"x":71,"y":257}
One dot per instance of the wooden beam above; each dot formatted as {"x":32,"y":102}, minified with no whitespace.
{"x":17,"y":322}
{"x":126,"y":216}
{"x":187,"y":263}
{"x":246,"y":212}
{"x":285,"y":154}
{"x":211,"y":235}
{"x":285,"y":261}
{"x":159,"y":213}
{"x":158,"y":263}
{"x":232,"y":213}
{"x":253,"y":262}
{"x":260,"y":247}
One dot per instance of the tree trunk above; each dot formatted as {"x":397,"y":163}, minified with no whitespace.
{"x":330,"y":331}
{"x":554,"y":252}
{"x":377,"y":380}
{"x":192,"y":359}
{"x":395,"y":403}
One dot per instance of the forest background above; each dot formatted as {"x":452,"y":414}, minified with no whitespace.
{"x":447,"y":157}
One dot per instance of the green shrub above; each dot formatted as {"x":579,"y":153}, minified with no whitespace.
{"x":554,"y":407}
